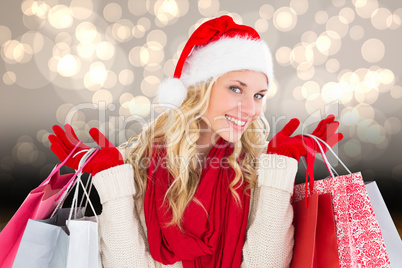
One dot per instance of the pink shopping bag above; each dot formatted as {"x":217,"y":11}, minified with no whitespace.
{"x":360,"y":242}
{"x":39,"y":204}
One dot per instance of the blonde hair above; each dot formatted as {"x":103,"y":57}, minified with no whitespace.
{"x":179,"y":129}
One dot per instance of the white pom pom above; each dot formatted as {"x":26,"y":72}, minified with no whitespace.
{"x":171,"y":91}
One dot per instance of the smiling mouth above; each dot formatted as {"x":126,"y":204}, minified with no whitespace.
{"x":235,"y":121}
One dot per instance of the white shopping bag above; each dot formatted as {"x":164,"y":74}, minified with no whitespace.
{"x":389,"y":232}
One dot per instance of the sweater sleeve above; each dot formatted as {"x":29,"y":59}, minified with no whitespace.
{"x":269,"y":238}
{"x":121,"y":242}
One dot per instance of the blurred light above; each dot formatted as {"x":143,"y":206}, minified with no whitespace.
{"x":112,"y":12}
{"x":9,"y":78}
{"x":105,"y":50}
{"x":335,"y":24}
{"x":157,"y":36}
{"x":283,"y":55}
{"x":68,"y":66}
{"x":299,"y":6}
{"x":314,"y":103}
{"x":365,"y":8}
{"x":331,"y":91}
{"x":352,"y":148}
{"x":305,"y":71}
{"x":152,"y":53}
{"x":134,"y":56}
{"x":392,"y":125}
{"x":387,"y":77}
{"x":26,"y":7}
{"x":60,"y":50}
{"x":169,"y":66}
{"x":60,"y":17}
{"x":332,"y":65}
{"x":149,"y":86}
{"x":126,"y":77}
{"x":309,"y":37}
{"x":34,"y":39}
{"x":81,"y":9}
{"x":138,"y":31}
{"x":338,"y":3}
{"x":356,"y":32}
{"x":87,"y":50}
{"x":373,"y":50}
{"x":110,"y":80}
{"x":379,"y":18}
{"x":321,"y":17}
{"x":137,"y":8}
{"x":98,"y":72}
{"x":329,"y":43}
{"x":121,"y":30}
{"x":145,"y":24}
{"x":365,"y":111}
{"x":272,"y":90}
{"x":67,"y":109}
{"x":86,"y":32}
{"x":261,"y":25}
{"x":297,"y":93}
{"x":13,"y":51}
{"x":346,"y":15}
{"x":63,"y":37}
{"x":42,"y":135}
{"x":5,"y":34}
{"x":301,"y":54}
{"x":102,"y":96}
{"x":310,"y":88}
{"x":393,"y":22}
{"x":140,"y":105}
{"x":285,"y":19}
{"x":396,"y":92}
{"x":125,"y":98}
{"x":349,"y":116}
{"x":266,"y":11}
{"x":208,"y":8}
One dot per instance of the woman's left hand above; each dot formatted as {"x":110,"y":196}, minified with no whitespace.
{"x":296,"y":147}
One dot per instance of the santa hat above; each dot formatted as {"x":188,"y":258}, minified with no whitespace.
{"x":216,"y":47}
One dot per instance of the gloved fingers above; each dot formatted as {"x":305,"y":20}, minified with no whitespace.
{"x":62,"y":136}
{"x":70,"y":133}
{"x":100,"y":139}
{"x":55,"y":140}
{"x":322,"y":126}
{"x":58,"y":151}
{"x":290,"y":127}
{"x":329,"y":130}
{"x":334,"y":139}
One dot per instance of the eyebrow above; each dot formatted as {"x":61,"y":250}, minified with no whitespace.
{"x":245,"y":85}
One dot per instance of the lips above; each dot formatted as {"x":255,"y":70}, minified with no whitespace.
{"x":237,"y":122}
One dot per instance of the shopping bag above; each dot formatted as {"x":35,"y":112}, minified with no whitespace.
{"x":45,"y":243}
{"x":389,"y":232}
{"x":66,"y":240}
{"x":39,"y":204}
{"x":315,"y":243}
{"x":360,"y":242}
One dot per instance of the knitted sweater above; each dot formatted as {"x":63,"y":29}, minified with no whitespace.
{"x":269,"y":237}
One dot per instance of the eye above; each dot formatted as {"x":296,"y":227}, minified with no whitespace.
{"x":235,"y":89}
{"x":259,"y":96}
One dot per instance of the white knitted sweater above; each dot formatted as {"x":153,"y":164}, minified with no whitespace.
{"x":269,"y":238}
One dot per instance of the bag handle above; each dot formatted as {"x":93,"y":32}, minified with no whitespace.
{"x":74,"y":206}
{"x":58,"y":166}
{"x":67,"y":188}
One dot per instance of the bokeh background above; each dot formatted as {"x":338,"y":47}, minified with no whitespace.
{"x":98,"y":64}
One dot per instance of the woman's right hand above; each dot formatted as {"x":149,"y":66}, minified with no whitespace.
{"x":64,"y":141}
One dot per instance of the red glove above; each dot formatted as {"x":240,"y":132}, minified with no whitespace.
{"x":283,"y":144}
{"x":63,"y":142}
{"x":295,"y":147}
{"x":326,"y":131}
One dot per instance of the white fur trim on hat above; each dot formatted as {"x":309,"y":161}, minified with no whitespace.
{"x":171,"y":92}
{"x":225,"y":55}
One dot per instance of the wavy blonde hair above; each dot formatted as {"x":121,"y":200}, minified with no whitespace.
{"x":179,"y":130}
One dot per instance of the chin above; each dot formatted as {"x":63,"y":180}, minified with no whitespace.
{"x":230,"y":137}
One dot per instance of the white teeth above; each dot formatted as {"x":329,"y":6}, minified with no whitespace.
{"x":235,"y":121}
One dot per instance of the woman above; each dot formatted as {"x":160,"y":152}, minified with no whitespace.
{"x":197,"y":188}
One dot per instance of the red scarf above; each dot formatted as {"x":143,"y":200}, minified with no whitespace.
{"x":213,"y":240}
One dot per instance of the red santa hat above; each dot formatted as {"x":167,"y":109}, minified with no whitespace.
{"x":216,"y":47}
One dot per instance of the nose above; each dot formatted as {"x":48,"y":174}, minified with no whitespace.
{"x":248,"y":106}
